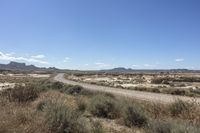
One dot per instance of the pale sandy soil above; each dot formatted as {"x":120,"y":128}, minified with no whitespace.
{"x":39,"y":75}
{"x":28,"y":75}
{"x":134,"y":81}
{"x":6,"y":85}
{"x":145,"y":96}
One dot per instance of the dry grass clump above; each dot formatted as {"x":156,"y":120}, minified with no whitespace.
{"x":63,"y":119}
{"x":104,"y":106}
{"x":133,"y":115}
{"x":82,"y":104}
{"x":20,"y":118}
{"x":74,"y":90}
{"x":97,"y":127}
{"x":54,"y":96}
{"x":21,"y":93}
{"x":158,"y":126}
{"x":187,"y":111}
{"x":179,"y":107}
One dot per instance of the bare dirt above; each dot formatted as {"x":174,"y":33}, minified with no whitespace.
{"x":145,"y":96}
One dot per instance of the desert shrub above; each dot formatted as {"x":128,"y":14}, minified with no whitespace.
{"x":165,"y":82}
{"x":44,"y":85}
{"x":41,"y":105}
{"x":156,"y":90}
{"x":24,"y":115}
{"x":156,"y":110}
{"x":81,"y":103}
{"x":179,"y":107}
{"x":160,"y":127}
{"x":57,"y":85}
{"x":157,"y":80}
{"x":133,"y":115}
{"x":106,"y":94}
{"x":63,"y":88}
{"x":141,"y":88}
{"x":195,"y":91}
{"x":184,"y":128}
{"x":189,"y":79}
{"x":62,"y":119}
{"x":97,"y":127}
{"x":21,"y":93}
{"x":75,"y":89}
{"x":178,"y":92}
{"x":104,"y":106}
{"x":87,"y":93}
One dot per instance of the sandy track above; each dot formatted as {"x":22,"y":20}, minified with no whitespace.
{"x":145,"y":96}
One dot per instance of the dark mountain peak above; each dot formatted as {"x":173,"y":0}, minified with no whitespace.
{"x":12,"y":63}
{"x":129,"y":70}
{"x":119,"y":69}
{"x":18,"y":66}
{"x":23,"y":67}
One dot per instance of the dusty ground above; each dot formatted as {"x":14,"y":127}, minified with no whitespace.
{"x":186,"y":83}
{"x":10,"y":80}
{"x":145,"y":96}
{"x":139,"y":80}
{"x":28,"y":75}
{"x":6,"y":85}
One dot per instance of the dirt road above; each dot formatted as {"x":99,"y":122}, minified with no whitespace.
{"x":145,"y":96}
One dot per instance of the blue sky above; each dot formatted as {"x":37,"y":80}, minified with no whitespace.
{"x":101,"y":34}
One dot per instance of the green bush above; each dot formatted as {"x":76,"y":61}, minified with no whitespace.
{"x":104,"y":106}
{"x":133,"y":115}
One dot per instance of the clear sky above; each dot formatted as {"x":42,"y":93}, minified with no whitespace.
{"x":101,"y":34}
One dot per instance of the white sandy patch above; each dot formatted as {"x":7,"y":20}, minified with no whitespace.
{"x":102,"y":79}
{"x":6,"y":85}
{"x":39,"y":75}
{"x":129,"y":85}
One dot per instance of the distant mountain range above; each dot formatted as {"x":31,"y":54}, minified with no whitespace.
{"x":13,"y":66}
{"x":129,"y":70}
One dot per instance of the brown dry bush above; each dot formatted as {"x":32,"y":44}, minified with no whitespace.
{"x":104,"y":106}
{"x":133,"y":115}
{"x":21,"y":93}
{"x":63,"y":119}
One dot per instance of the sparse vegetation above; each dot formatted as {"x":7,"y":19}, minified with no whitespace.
{"x":179,"y":107}
{"x":21,"y":93}
{"x":176,"y":84}
{"x":97,"y":127}
{"x":134,"y":116}
{"x":75,"y":90}
{"x":159,"y":126}
{"x":62,"y":119}
{"x":81,"y":103}
{"x":43,"y":106}
{"x":104,"y":106}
